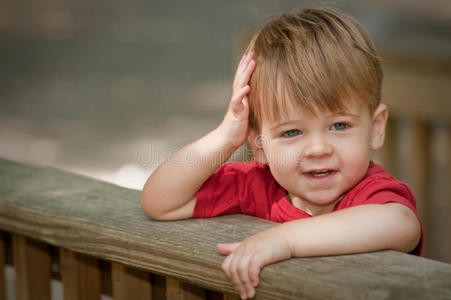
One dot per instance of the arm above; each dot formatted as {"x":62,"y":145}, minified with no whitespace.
{"x":357,"y":229}
{"x":169,"y":193}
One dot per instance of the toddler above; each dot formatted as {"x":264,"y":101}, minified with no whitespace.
{"x":306,"y":95}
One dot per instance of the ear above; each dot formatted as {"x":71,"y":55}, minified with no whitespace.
{"x":379,"y":123}
{"x":256,"y":140}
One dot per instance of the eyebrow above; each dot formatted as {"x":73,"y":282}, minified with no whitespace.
{"x":283,"y":124}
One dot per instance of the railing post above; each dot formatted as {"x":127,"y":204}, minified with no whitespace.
{"x":413,"y":164}
{"x":80,"y":275}
{"x":177,"y":290}
{"x":2,"y":268}
{"x":439,"y":196}
{"x":419,"y":166}
{"x":32,"y":263}
{"x":130,"y":283}
{"x":231,"y":297}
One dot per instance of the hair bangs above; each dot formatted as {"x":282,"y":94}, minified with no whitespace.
{"x":279,"y":83}
{"x":315,"y":60}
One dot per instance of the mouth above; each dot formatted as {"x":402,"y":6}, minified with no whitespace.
{"x":320,"y":173}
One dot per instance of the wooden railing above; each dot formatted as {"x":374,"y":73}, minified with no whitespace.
{"x":94,"y":238}
{"x":417,"y":91}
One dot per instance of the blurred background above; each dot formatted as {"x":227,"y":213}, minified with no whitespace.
{"x":109,"y":88}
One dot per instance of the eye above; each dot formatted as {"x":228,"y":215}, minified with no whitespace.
{"x":291,"y":133}
{"x":340,"y":126}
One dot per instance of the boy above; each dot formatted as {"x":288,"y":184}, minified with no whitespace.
{"x":313,"y":79}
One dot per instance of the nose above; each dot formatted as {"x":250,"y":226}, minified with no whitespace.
{"x":317,"y":146}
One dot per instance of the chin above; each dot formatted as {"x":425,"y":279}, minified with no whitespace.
{"x":323,"y":200}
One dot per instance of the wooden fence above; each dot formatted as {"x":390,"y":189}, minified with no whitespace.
{"x":95,"y":239}
{"x":417,"y":150}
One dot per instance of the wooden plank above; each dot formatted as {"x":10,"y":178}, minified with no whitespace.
{"x":439,"y":211}
{"x":32,"y":265}
{"x":231,"y":297}
{"x":130,"y":283}
{"x":107,"y":222}
{"x":80,"y":275}
{"x":177,"y":290}
{"x":418,"y":91}
{"x":413,"y":161}
{"x":419,"y":167}
{"x":2,"y":268}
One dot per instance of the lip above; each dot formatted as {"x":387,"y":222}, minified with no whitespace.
{"x":320,"y":179}
{"x":319,"y":170}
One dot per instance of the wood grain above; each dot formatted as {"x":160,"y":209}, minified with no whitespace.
{"x":130,"y":283}
{"x":106,"y":221}
{"x":415,"y":163}
{"x":231,"y":297}
{"x":80,"y":275}
{"x":32,"y":264}
{"x":417,"y":90}
{"x":177,"y":290}
{"x":439,"y":196}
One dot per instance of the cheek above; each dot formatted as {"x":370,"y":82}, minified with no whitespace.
{"x":354,"y":151}
{"x":284,"y":158}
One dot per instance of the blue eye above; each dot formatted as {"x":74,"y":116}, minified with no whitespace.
{"x":291,"y":133}
{"x":340,"y":126}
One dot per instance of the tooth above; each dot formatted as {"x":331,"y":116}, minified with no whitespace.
{"x":320,"y":174}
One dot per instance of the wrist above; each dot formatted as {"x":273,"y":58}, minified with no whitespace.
{"x":286,"y":233}
{"x":231,"y":139}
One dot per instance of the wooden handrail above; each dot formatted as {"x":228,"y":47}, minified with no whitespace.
{"x":106,"y":221}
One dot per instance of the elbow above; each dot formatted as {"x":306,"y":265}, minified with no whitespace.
{"x":409,"y":229}
{"x":149,"y":206}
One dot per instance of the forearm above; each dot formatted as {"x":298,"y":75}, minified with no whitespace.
{"x":175,"y":181}
{"x":357,"y":229}
{"x":169,"y":193}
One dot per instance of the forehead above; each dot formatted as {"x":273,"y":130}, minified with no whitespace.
{"x":291,"y":113}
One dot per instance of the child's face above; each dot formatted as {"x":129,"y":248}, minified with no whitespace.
{"x":318,"y":158}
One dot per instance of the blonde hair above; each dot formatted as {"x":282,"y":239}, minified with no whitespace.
{"x":316,"y":59}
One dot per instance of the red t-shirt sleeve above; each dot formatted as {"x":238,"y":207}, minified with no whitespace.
{"x":238,"y":187}
{"x":219,"y":195}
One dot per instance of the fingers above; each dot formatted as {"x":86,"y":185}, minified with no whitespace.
{"x":243,"y":271}
{"x":254,"y":270}
{"x":227,"y":248}
{"x":239,"y":104}
{"x":240,"y":276}
{"x":244,"y":71}
{"x":243,"y":58}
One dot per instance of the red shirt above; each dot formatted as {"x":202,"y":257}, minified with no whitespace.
{"x":249,"y":188}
